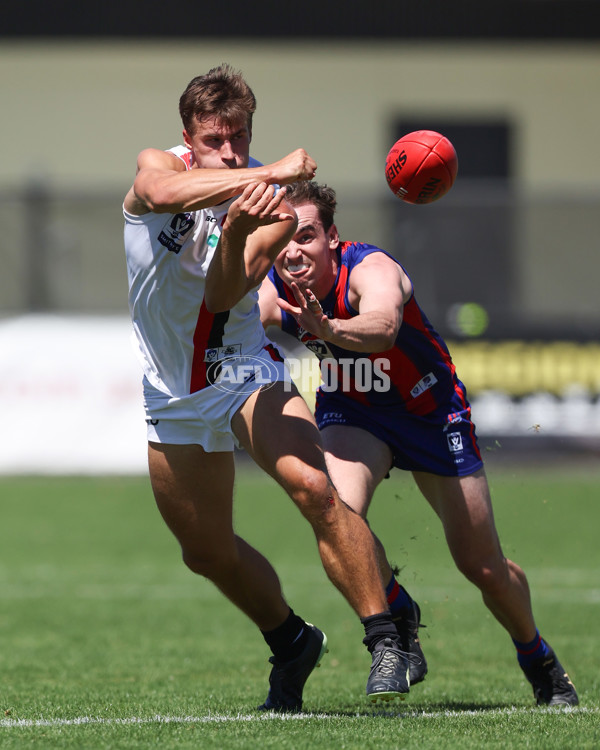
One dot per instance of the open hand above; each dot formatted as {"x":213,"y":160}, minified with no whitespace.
{"x":308,"y":313}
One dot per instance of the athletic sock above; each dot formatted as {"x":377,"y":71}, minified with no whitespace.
{"x":378,"y":627}
{"x":398,"y":599}
{"x":288,"y":640}
{"x":529,"y":652}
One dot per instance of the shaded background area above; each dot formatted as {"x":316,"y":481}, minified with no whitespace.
{"x":506,"y":265}
{"x":467,"y":19}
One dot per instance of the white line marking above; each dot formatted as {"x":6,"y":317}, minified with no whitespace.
{"x":220,"y":718}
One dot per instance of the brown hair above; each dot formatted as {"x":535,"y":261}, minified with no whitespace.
{"x":321,"y":196}
{"x":221,"y":93}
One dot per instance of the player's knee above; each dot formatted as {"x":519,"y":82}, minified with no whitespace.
{"x":199,"y":564}
{"x":490,"y":579}
{"x":314,"y":495}
{"x":208,"y":563}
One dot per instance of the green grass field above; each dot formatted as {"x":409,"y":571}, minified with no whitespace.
{"x":107,"y":641}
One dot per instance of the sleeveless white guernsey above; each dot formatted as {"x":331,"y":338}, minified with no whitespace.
{"x":175,"y":336}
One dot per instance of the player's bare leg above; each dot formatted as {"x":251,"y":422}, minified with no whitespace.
{"x":277,"y":429}
{"x":194,"y":493}
{"x":357,"y":463}
{"x":279,"y":432}
{"x":465,"y":509}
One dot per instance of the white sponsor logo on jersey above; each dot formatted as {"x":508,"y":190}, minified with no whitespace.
{"x":220,"y":352}
{"x":426,"y":382}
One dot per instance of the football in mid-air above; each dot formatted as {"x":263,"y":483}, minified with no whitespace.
{"x":421,"y":166}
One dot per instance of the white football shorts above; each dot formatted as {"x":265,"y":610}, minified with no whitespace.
{"x":204,"y":417}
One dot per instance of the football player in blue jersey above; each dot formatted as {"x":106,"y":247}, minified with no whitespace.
{"x":390,"y":397}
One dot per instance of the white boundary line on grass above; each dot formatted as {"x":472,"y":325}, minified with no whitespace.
{"x":220,"y":718}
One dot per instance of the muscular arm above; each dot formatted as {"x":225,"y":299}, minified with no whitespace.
{"x":378,"y":290}
{"x":163,"y":185}
{"x":258,"y":226}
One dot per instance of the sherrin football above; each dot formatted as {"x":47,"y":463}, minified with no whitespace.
{"x":421,"y":166}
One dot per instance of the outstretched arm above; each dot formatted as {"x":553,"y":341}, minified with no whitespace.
{"x":162,"y":184}
{"x":378,"y":290}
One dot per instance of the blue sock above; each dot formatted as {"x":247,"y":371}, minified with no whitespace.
{"x":397,"y":598}
{"x":529,"y":652}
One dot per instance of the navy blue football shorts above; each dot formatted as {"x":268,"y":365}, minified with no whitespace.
{"x":442,"y":442}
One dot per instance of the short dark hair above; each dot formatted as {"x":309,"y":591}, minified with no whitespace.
{"x":221,"y":93}
{"x":321,"y":196}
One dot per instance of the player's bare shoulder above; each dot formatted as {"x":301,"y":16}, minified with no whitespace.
{"x":155,"y":158}
{"x":378,"y":272}
{"x":149,"y":160}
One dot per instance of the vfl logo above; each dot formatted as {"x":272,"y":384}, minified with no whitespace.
{"x":455,"y":443}
{"x":172,"y":237}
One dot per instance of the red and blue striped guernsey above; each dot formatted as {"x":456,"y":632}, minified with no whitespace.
{"x":418,"y":371}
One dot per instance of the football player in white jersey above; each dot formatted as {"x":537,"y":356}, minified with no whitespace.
{"x":203,"y":225}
